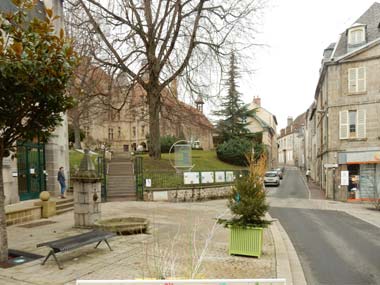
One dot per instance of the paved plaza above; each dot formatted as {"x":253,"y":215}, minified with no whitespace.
{"x":182,"y":236}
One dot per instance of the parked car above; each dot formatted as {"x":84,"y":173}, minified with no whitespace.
{"x":279,"y":172}
{"x":271,"y":178}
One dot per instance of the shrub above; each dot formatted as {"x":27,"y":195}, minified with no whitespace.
{"x":166,"y":143}
{"x":234,"y":151}
{"x":247,"y":200}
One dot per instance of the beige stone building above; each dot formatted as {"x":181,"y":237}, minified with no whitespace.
{"x":36,"y":166}
{"x":266,"y":123}
{"x":344,"y":122}
{"x":127,"y":128}
{"x":292,"y":143}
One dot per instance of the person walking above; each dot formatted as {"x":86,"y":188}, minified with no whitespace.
{"x":62,"y":181}
{"x":308,"y":172}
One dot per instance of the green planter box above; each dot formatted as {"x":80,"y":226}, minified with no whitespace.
{"x":246,"y":241}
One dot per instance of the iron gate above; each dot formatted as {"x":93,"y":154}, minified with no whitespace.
{"x":102,"y":173}
{"x":31,"y":170}
{"x":139,"y":174}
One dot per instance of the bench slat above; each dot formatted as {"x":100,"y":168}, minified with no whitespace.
{"x":73,"y":242}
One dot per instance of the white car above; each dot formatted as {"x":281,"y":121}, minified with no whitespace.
{"x":271,"y":178}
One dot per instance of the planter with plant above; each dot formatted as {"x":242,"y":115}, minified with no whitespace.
{"x":247,"y":203}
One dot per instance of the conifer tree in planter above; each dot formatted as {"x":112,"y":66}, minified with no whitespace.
{"x":248,"y":204}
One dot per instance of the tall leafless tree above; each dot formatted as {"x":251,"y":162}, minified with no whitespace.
{"x":157,"y":41}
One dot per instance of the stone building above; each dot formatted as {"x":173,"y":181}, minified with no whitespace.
{"x":36,"y":166}
{"x":292,"y":143}
{"x":126,"y":128}
{"x":344,"y":121}
{"x":266,"y":123}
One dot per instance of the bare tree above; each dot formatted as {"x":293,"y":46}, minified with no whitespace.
{"x":157,"y":41}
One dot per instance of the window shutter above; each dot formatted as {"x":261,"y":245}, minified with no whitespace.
{"x":361,"y":79}
{"x":352,"y":72}
{"x":361,"y":124}
{"x":343,"y":125}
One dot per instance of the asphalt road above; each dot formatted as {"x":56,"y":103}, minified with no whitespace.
{"x":334,"y":247}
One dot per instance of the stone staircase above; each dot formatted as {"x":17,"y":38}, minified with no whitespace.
{"x":121,"y":180}
{"x":64,"y":205}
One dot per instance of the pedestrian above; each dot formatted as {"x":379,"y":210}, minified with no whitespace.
{"x":62,"y":181}
{"x":308,"y":172}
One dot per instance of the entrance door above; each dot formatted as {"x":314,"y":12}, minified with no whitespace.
{"x":30,"y":168}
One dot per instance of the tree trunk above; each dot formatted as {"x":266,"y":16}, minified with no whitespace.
{"x":154,"y":122}
{"x":76,"y":127}
{"x":3,"y":222}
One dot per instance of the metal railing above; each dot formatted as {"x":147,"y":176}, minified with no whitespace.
{"x":161,"y":180}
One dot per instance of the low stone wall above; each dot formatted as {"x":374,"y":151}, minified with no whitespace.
{"x":22,"y":215}
{"x":188,"y":195}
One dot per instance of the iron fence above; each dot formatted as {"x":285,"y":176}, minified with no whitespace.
{"x":166,"y":180}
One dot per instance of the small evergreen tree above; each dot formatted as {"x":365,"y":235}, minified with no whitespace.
{"x":233,"y":111}
{"x":247,"y":200}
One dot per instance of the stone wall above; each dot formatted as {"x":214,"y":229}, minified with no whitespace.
{"x":19,"y":216}
{"x":188,"y":195}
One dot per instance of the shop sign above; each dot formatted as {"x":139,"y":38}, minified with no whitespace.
{"x":330,"y":165}
{"x":359,"y":157}
{"x":344,"y":178}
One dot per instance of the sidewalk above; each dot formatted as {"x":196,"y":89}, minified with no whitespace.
{"x":174,"y":246}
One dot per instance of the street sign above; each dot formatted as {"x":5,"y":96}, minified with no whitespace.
{"x":330,"y":165}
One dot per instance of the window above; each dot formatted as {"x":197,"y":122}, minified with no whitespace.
{"x":118,"y":132}
{"x":134,"y":132}
{"x":110,"y":134}
{"x":142,"y":131}
{"x":356,"y":36}
{"x":352,"y":124}
{"x":356,"y":80}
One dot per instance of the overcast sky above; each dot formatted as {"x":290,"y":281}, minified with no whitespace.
{"x":296,"y":32}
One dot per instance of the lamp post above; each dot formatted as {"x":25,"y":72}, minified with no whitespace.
{"x":104,"y":174}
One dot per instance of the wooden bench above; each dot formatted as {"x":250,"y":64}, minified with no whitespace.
{"x":69,"y":243}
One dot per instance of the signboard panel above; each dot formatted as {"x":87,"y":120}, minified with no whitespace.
{"x":182,"y":153}
{"x":344,"y":178}
{"x":207,"y":177}
{"x":191,"y":177}
{"x":230,"y":176}
{"x":187,"y":282}
{"x":220,"y":177}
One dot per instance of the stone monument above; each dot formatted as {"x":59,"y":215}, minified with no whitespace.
{"x":87,"y":194}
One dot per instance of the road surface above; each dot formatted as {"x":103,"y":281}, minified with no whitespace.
{"x":333,"y":247}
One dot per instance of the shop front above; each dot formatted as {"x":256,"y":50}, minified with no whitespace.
{"x":363,"y":175}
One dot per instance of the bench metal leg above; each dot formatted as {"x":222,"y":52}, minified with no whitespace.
{"x":52,"y":253}
{"x":105,"y":242}
{"x":47,"y":257}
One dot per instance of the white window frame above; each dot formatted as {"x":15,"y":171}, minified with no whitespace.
{"x":357,"y":80}
{"x":356,"y":35}
{"x":360,"y":123}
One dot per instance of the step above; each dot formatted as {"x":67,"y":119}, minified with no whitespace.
{"x":117,"y":199}
{"x":61,"y":211}
{"x":121,"y":192}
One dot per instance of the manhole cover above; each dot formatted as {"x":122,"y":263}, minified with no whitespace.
{"x":37,"y":224}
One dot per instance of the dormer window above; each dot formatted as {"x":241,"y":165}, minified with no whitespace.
{"x":356,"y":35}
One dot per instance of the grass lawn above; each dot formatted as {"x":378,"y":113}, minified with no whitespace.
{"x":75,"y":158}
{"x":163,"y":175}
{"x":203,"y":160}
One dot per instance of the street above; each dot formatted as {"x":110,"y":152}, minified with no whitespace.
{"x":333,"y":246}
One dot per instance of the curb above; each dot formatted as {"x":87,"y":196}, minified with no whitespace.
{"x":288,"y":265}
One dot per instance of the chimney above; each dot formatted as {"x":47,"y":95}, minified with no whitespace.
{"x":282,"y":132}
{"x":290,"y":121}
{"x":257,"y":101}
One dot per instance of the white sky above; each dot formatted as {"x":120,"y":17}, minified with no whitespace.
{"x":296,"y":32}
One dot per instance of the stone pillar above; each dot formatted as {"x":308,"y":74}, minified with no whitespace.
{"x":87,"y":194}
